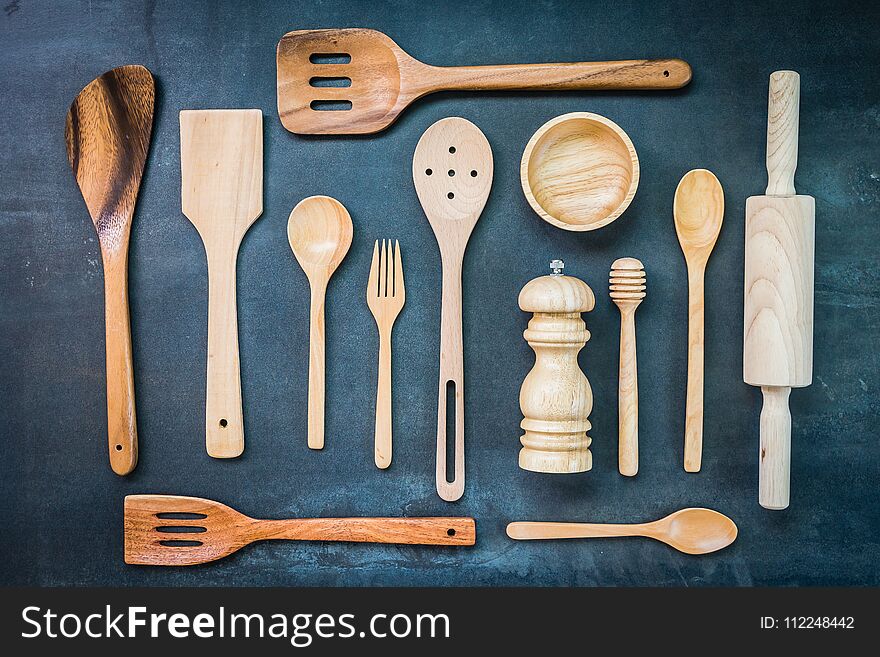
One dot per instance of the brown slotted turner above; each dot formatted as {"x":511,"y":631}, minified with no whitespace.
{"x":168,"y":530}
{"x":380,"y":80}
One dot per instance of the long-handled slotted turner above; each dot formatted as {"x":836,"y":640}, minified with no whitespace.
{"x":167,"y":530}
{"x":452,"y":173}
{"x":108,"y":134}
{"x":357,"y":81}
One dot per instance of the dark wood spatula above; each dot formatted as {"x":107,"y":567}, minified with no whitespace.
{"x":167,"y":530}
{"x":379,"y":80}
{"x":108,"y":135}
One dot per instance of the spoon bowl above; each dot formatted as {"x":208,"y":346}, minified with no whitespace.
{"x":320,"y":233}
{"x":579,"y":171}
{"x":698,"y":209}
{"x":696,"y":530}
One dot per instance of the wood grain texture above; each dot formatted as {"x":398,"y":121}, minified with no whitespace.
{"x":556,"y":398}
{"x":452,"y":173}
{"x":782,"y":132}
{"x":778,"y":306}
{"x":385,"y":79}
{"x":221,"y":163}
{"x":699,"y":212}
{"x":579,"y":171}
{"x":320,"y":232}
{"x":692,"y":531}
{"x":386,"y":294}
{"x":214,"y":530}
{"x":107,"y":134}
{"x":627,"y":289}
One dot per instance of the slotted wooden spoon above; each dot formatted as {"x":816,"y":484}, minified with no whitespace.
{"x":167,"y":530}
{"x":452,"y":172}
{"x":108,"y":134}
{"x":380,"y":80}
{"x":221,"y":165}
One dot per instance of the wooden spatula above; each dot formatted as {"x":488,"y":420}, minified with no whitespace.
{"x":221,"y":164}
{"x":166,"y":530}
{"x":108,"y":134}
{"x":452,"y":172}
{"x":356,"y":81}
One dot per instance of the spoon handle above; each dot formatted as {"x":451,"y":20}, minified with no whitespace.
{"x":121,"y":423}
{"x":316,"y":368}
{"x":693,"y":427}
{"x":224,"y":426}
{"x":774,"y":473}
{"x":530,"y":531}
{"x":629,"y":74}
{"x":451,"y":372}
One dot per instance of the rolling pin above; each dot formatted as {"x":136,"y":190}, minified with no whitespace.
{"x":778,"y":321}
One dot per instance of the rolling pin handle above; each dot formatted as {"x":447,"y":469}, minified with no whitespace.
{"x":774,"y":472}
{"x":782,"y":132}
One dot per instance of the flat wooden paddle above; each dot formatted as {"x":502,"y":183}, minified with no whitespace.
{"x":167,"y":530}
{"x":221,"y":164}
{"x":108,"y":135}
{"x":357,"y":81}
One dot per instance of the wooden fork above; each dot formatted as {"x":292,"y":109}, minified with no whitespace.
{"x":385,"y":297}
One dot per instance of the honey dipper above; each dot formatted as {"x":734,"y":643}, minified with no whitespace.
{"x":627,"y":289}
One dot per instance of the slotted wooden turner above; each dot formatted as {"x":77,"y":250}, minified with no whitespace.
{"x":167,"y":530}
{"x":382,"y":80}
{"x":452,"y":173}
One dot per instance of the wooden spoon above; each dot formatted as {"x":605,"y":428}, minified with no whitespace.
{"x":452,"y":172}
{"x":698,"y":211}
{"x":221,"y":164}
{"x":156,"y":533}
{"x":693,"y":531}
{"x":108,"y":134}
{"x":320,"y":232}
{"x":357,"y":81}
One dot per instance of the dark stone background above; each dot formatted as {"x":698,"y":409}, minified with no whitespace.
{"x":62,"y":505}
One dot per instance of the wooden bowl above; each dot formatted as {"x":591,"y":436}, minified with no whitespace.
{"x":579,"y":171}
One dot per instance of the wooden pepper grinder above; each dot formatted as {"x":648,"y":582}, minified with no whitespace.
{"x":556,"y":398}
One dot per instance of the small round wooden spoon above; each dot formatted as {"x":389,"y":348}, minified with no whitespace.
{"x":698,"y":211}
{"x":320,"y":232}
{"x":692,"y":531}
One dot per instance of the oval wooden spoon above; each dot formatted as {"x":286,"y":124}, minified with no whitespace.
{"x":320,"y":232}
{"x":108,"y":134}
{"x":698,"y":210}
{"x":693,"y":531}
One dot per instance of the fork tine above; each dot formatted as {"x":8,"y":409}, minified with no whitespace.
{"x":399,"y":289}
{"x":383,"y":273}
{"x":373,"y":283}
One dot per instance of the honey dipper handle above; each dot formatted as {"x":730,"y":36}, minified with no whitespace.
{"x":121,"y":424}
{"x":224,"y":424}
{"x":630,"y":74}
{"x":775,"y":456}
{"x":782,"y":132}
{"x":451,"y":372}
{"x":628,"y":397}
